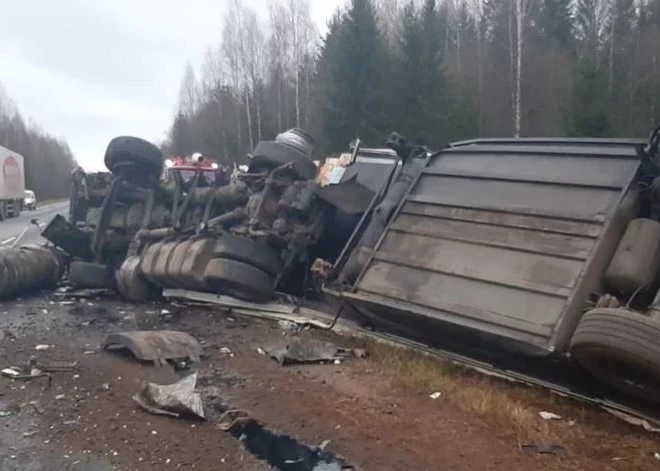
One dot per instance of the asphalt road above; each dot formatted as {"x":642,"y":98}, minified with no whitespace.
{"x":11,"y":228}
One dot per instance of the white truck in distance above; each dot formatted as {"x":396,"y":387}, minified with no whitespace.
{"x":12,"y":183}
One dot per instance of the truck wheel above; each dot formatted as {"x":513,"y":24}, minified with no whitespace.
{"x":622,"y":349}
{"x":136,"y":151}
{"x":92,"y":275}
{"x":239,"y":280}
{"x":248,"y":251}
{"x":278,"y":154}
{"x":3,"y":210}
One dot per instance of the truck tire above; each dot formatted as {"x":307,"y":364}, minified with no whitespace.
{"x":92,"y":275}
{"x":3,"y":210}
{"x":248,"y":251}
{"x":622,"y":349}
{"x":278,"y":154}
{"x":239,"y":280}
{"x":136,"y":151}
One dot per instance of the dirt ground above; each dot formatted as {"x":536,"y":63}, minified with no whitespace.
{"x":376,"y":413}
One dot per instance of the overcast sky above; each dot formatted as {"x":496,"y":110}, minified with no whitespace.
{"x":89,"y":70}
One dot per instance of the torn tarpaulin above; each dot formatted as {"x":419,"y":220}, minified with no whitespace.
{"x":305,"y":350}
{"x":176,"y":400}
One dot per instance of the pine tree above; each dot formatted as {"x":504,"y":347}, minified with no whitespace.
{"x":589,"y":115}
{"x":422,"y":106}
{"x":557,"y":22}
{"x":353,"y":67}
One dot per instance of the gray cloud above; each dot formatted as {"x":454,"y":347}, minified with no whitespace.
{"x":88,"y":70}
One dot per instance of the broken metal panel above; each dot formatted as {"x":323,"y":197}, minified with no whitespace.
{"x":502,"y":238}
{"x":157,"y":346}
{"x":63,"y":234}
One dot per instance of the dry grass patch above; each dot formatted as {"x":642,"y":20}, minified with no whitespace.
{"x":512,"y":410}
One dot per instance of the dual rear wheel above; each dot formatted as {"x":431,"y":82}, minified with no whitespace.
{"x":622,"y":349}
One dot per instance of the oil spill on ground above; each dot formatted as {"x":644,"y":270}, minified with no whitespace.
{"x":283,"y":452}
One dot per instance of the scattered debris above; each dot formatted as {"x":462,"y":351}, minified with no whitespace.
{"x":226,"y":351}
{"x":37,"y":408}
{"x":656,"y":456}
{"x":43,"y":347}
{"x":549,"y":416}
{"x":54,"y":366}
{"x":232,"y":417}
{"x":543,"y":449}
{"x":59,"y":397}
{"x":174,"y":400}
{"x":5,"y":413}
{"x":157,"y":346}
{"x":305,"y":350}
{"x":16,"y":372}
{"x":86,"y":293}
{"x":288,"y":325}
{"x":633,"y":420}
{"x":324,"y":444}
{"x":360,"y":353}
{"x":11,"y":372}
{"x":30,"y":433}
{"x":435,"y":395}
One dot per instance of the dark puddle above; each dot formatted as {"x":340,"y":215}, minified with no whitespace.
{"x":283,"y":452}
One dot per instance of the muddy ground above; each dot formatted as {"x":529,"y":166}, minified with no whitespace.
{"x":376,"y":412}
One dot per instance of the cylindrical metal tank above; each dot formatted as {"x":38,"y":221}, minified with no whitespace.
{"x":636,"y":261}
{"x":29,"y":268}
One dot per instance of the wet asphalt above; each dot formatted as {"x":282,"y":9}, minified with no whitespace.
{"x":11,"y":228}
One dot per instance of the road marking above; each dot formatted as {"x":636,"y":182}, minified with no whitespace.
{"x":11,"y":239}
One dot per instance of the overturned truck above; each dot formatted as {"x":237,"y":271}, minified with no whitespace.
{"x":546,"y":251}
{"x":144,"y":227}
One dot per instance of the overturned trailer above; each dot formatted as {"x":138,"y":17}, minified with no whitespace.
{"x":545,"y":249}
{"x":540,"y":256}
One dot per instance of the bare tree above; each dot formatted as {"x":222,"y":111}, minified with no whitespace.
{"x":232,"y":48}
{"x":188,"y":92}
{"x":295,"y":29}
{"x":278,"y":42}
{"x":254,"y":62}
{"x":521,"y":12}
{"x":388,"y":14}
{"x":212,"y":83}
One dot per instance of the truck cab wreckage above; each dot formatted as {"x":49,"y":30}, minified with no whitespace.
{"x":537,"y":259}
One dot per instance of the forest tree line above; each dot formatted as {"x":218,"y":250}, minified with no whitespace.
{"x":48,"y":160}
{"x":434,"y":70}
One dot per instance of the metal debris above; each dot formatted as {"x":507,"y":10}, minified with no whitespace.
{"x":633,"y":420}
{"x":55,"y":366}
{"x":305,"y":350}
{"x":43,"y":347}
{"x":157,"y":346}
{"x":86,"y":293}
{"x":544,"y":449}
{"x":435,"y":395}
{"x":15,"y":372}
{"x":176,"y":400}
{"x":549,"y":416}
